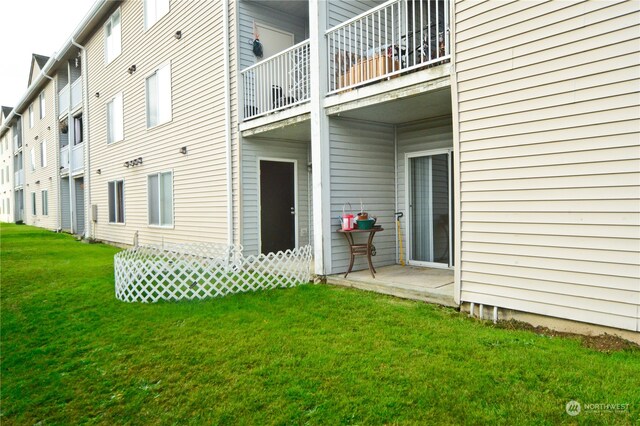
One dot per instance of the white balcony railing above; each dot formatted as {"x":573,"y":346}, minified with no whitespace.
{"x":63,"y":100}
{"x":77,"y":158}
{"x":19,"y":178}
{"x":278,"y":82}
{"x":64,"y":158}
{"x":76,"y":93}
{"x":390,"y":39}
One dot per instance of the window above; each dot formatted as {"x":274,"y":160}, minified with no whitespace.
{"x":2,"y":181}
{"x":77,"y":130}
{"x":33,"y":159}
{"x":116,"y":201}
{"x":115,"y":121}
{"x":159,"y":96}
{"x":33,"y":203}
{"x":113,"y":37}
{"x":30,"y":116}
{"x":153,"y":11}
{"x":45,"y":203}
{"x":43,"y":154}
{"x":160,"y":194}
{"x":42,"y":104}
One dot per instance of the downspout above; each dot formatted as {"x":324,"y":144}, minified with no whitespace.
{"x":85,"y":137}
{"x":227,"y":121}
{"x":15,"y":215}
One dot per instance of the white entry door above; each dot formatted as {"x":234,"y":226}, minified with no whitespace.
{"x":429,"y":208}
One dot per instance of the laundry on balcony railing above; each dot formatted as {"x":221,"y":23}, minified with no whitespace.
{"x":393,"y":38}
{"x":278,"y":82}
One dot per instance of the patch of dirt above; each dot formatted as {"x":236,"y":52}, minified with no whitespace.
{"x":602,"y":343}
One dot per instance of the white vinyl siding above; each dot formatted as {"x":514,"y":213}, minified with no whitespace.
{"x":43,"y":154}
{"x":158,"y":89}
{"x":45,"y":203}
{"x":154,"y":10}
{"x":113,"y":37}
{"x":115,"y":119}
{"x":42,"y":104}
{"x":160,"y":196}
{"x":31,"y":117}
{"x":550,"y":158}
{"x":116,"y":201}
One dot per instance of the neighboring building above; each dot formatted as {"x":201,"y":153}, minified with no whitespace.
{"x":6,"y":172}
{"x":506,"y":133}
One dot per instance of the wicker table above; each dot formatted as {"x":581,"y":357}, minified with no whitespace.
{"x":360,"y":249}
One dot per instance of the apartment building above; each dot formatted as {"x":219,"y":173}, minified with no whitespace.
{"x":505,"y":133}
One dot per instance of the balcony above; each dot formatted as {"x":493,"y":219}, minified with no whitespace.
{"x":395,"y":38}
{"x":77,"y":158}
{"x":277,"y":83}
{"x":19,"y":178}
{"x":76,"y":97}
{"x":64,"y":159}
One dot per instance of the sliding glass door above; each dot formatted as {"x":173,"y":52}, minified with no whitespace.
{"x":429,"y":207}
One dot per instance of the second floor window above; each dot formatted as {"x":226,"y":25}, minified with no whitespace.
{"x":33,"y":159}
{"x":153,"y":11}
{"x":115,"y":119}
{"x":41,"y":101}
{"x":159,"y":96}
{"x":30,"y":116}
{"x":113,"y":37}
{"x":43,"y":154}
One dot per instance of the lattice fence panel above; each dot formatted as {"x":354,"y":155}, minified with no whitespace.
{"x":198,"y":271}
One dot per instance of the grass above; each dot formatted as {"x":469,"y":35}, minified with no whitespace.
{"x":71,"y":353}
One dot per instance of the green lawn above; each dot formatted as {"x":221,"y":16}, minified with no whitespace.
{"x":71,"y":353}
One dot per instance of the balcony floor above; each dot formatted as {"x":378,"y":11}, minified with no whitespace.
{"x":427,"y":284}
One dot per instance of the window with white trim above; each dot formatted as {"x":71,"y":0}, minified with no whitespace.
{"x":43,"y":154}
{"x":158,"y":87}
{"x":33,"y":159}
{"x":77,"y":130}
{"x":116,"y":201}
{"x":113,"y":37}
{"x":31,"y":118}
{"x":160,"y":196}
{"x":33,"y":204}
{"x":41,"y":102}
{"x":45,"y":202}
{"x":115,"y":119}
{"x":153,"y":11}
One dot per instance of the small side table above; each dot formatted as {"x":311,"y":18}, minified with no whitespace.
{"x":360,"y":249}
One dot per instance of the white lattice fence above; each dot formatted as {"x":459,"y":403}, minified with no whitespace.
{"x":198,"y":271}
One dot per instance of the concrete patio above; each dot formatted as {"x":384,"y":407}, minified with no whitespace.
{"x":428,"y":284}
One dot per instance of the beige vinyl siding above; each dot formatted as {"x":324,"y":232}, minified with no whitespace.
{"x":43,"y":129}
{"x":197,"y":102}
{"x":362,"y":168}
{"x":6,"y":188}
{"x":550,"y":158}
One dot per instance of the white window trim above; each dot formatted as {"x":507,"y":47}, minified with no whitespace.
{"x":173,"y":201}
{"x":146,"y":95}
{"x":43,"y":153}
{"x":34,"y":209}
{"x":107,"y":61}
{"x":124,"y":205}
{"x":42,"y":207}
{"x":121,"y":94}
{"x":42,"y":104}
{"x":147,"y":25}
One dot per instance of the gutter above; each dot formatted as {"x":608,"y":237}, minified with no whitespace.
{"x":85,"y":137}
{"x":227,"y":121}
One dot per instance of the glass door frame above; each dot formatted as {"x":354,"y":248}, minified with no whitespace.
{"x":407,"y":197}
